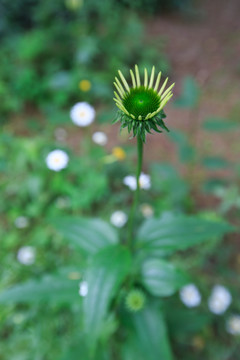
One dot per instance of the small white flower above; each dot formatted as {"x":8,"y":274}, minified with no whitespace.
{"x":60,"y":134}
{"x":219,"y":300}
{"x":26,"y":255}
{"x":118,"y":218}
{"x":130,"y":181}
{"x":99,"y":138}
{"x":144,"y":181}
{"x":82,"y":114}
{"x":146,"y":210}
{"x":21,"y":222}
{"x":233,"y":325}
{"x":190,"y":295}
{"x":83,"y":288}
{"x":57,"y":160}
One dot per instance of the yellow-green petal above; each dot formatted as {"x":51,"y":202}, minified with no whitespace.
{"x":157,"y":81}
{"x":133,"y":78}
{"x":152,"y":77}
{"x":137,"y":76}
{"x":145,"y":77}
{"x":163,"y":87}
{"x":124,"y":81}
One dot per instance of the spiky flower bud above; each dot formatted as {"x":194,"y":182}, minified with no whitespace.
{"x":141,"y":106}
{"x":135,"y":300}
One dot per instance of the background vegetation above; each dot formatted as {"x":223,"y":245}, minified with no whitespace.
{"x":53,"y":55}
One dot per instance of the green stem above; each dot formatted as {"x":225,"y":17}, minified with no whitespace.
{"x":136,"y":193}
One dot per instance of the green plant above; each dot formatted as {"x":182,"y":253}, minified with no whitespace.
{"x":136,"y":268}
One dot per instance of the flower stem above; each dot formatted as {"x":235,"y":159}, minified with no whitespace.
{"x":136,"y":193}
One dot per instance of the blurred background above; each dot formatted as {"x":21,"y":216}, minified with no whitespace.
{"x":56,"y":54}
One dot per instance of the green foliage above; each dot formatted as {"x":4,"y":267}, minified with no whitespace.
{"x":186,"y":151}
{"x":88,"y":235}
{"x":50,"y":288}
{"x":104,"y":274}
{"x":159,"y":237}
{"x":44,"y":61}
{"x":148,"y":335}
{"x":162,"y":278}
{"x":215,"y":163}
{"x":190,"y":94}
{"x":219,"y":125}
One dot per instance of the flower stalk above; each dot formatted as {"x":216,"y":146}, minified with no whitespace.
{"x":136,"y":193}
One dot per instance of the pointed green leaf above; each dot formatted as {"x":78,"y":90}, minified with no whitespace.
{"x":215,"y":163}
{"x":148,"y":338}
{"x":166,"y":235}
{"x":220,"y":125}
{"x":89,"y":235}
{"x":49,"y":288}
{"x":161,"y":278}
{"x":105,"y":273}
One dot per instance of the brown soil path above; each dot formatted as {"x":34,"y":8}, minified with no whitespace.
{"x":206,"y":46}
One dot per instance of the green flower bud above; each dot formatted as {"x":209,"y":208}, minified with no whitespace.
{"x":141,"y":106}
{"x":135,"y":300}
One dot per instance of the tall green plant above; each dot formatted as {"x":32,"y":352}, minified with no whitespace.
{"x":123,"y":283}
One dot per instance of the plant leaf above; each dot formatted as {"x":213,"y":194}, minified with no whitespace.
{"x":106,"y":271}
{"x":190,"y":94}
{"x":49,"y":288}
{"x":162,"y":236}
{"x":148,"y":336}
{"x":220,"y":125}
{"x":161,"y":278}
{"x":89,"y":235}
{"x":215,"y":163}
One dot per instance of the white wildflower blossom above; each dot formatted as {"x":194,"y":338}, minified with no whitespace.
{"x":82,"y":114}
{"x":219,"y":300}
{"x":144,"y":181}
{"x":99,"y":138}
{"x":146,"y":210}
{"x":118,"y":218}
{"x":26,"y":255}
{"x":57,"y":160}
{"x":233,"y":325}
{"x":190,"y":295}
{"x":130,"y":181}
{"x":21,"y":222}
{"x":83,"y":288}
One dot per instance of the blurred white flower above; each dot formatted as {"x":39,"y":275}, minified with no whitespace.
{"x":62,"y":202}
{"x":60,"y":134}
{"x":190,"y":295}
{"x":130,"y":181}
{"x":219,"y":300}
{"x":233,"y":325}
{"x":118,"y":218}
{"x":144,"y":181}
{"x":82,"y":114}
{"x":99,"y":138}
{"x":21,"y":222}
{"x":146,"y":210}
{"x":57,"y":160}
{"x":26,"y":255}
{"x":83,"y":288}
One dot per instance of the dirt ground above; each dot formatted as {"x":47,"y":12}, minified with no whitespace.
{"x":207,"y":47}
